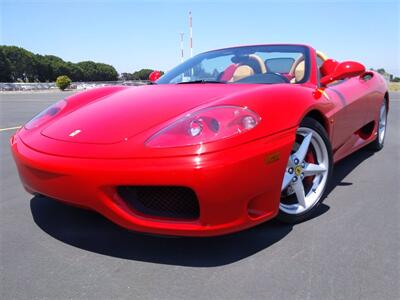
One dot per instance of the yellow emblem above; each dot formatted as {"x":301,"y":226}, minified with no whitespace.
{"x":298,"y":170}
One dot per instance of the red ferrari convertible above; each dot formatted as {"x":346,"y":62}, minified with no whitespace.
{"x":226,"y":140}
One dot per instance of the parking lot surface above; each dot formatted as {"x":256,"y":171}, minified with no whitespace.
{"x":351,"y":250}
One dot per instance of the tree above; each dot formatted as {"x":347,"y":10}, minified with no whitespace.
{"x":106,"y":72}
{"x":63,"y":82}
{"x":22,"y":63}
{"x":142,"y":74}
{"x":74,"y":71}
{"x":97,"y":71}
{"x":89,"y":70}
{"x":44,"y":69}
{"x":381,"y":71}
{"x":4,"y":68}
{"x":18,"y":64}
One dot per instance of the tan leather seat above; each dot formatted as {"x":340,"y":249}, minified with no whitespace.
{"x":297,"y":70}
{"x":241,"y":72}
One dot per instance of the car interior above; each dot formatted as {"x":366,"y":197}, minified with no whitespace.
{"x":252,"y":68}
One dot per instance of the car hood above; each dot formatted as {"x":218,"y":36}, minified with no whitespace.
{"x":119,"y":116}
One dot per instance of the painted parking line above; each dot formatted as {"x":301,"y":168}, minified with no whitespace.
{"x":9,"y":128}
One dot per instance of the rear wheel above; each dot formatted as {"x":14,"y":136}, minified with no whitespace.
{"x":307,"y":173}
{"x":379,"y":141}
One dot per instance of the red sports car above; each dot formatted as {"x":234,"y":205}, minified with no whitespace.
{"x":226,"y":140}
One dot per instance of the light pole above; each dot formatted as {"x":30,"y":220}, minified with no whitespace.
{"x":191,"y":34}
{"x":181,"y":46}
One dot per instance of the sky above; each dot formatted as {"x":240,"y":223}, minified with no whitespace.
{"x":131,"y":35}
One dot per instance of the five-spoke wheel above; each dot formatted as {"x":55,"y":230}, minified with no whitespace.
{"x":307,"y":172}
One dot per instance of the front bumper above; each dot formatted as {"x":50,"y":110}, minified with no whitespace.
{"x":236,"y":188}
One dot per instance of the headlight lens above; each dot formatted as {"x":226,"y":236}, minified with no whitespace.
{"x":46,"y":115}
{"x":204,"y":126}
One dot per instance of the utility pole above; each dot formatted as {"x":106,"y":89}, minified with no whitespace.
{"x":181,"y":46}
{"x":191,"y":34}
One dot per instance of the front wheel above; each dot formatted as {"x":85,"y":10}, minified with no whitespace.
{"x":307,"y":173}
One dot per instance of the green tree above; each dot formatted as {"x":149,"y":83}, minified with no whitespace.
{"x":107,"y":72}
{"x":97,"y":71}
{"x":63,"y":82}
{"x":381,"y":71}
{"x":74,"y":71}
{"x":22,"y":63}
{"x":142,"y":74}
{"x":4,"y":68}
{"x":18,"y":64}
{"x":89,"y":70}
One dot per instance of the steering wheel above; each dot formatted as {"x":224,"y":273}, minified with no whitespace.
{"x":278,"y":77}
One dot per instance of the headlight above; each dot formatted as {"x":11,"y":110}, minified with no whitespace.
{"x":46,"y":115}
{"x":204,"y":126}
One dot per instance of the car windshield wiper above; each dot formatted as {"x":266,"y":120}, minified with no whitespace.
{"x":201,"y":81}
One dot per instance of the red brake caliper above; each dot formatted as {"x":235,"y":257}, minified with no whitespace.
{"x":310,"y":158}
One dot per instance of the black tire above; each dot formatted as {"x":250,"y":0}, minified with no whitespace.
{"x":378,"y":145}
{"x":297,"y":218}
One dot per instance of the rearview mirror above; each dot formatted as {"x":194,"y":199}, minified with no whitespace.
{"x":154,"y":76}
{"x":342,"y":71}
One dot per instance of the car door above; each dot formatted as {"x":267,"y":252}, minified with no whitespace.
{"x":369,"y":82}
{"x":354,"y":100}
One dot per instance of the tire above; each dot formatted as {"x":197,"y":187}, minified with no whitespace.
{"x":308,"y":173}
{"x":379,"y":141}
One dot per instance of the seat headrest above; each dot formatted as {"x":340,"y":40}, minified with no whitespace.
{"x":299,"y":71}
{"x":241,"y":72}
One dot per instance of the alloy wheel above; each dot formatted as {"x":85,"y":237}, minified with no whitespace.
{"x":306,"y":174}
{"x":382,"y":123}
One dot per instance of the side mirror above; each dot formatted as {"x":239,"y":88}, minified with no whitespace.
{"x":342,"y":70}
{"x":154,"y":76}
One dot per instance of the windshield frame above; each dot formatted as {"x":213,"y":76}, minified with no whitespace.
{"x":305,"y":50}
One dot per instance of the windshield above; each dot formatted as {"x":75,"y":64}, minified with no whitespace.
{"x":267,"y":64}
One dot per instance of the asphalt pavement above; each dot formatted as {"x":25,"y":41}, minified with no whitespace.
{"x":350,"y":250}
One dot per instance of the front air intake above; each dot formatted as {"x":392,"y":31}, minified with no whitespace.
{"x":162,"y":201}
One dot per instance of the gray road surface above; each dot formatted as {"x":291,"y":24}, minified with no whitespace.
{"x":350,"y":251}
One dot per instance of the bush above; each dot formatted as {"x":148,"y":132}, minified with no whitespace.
{"x":63,"y":82}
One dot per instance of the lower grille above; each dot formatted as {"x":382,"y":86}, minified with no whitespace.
{"x":162,"y":201}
